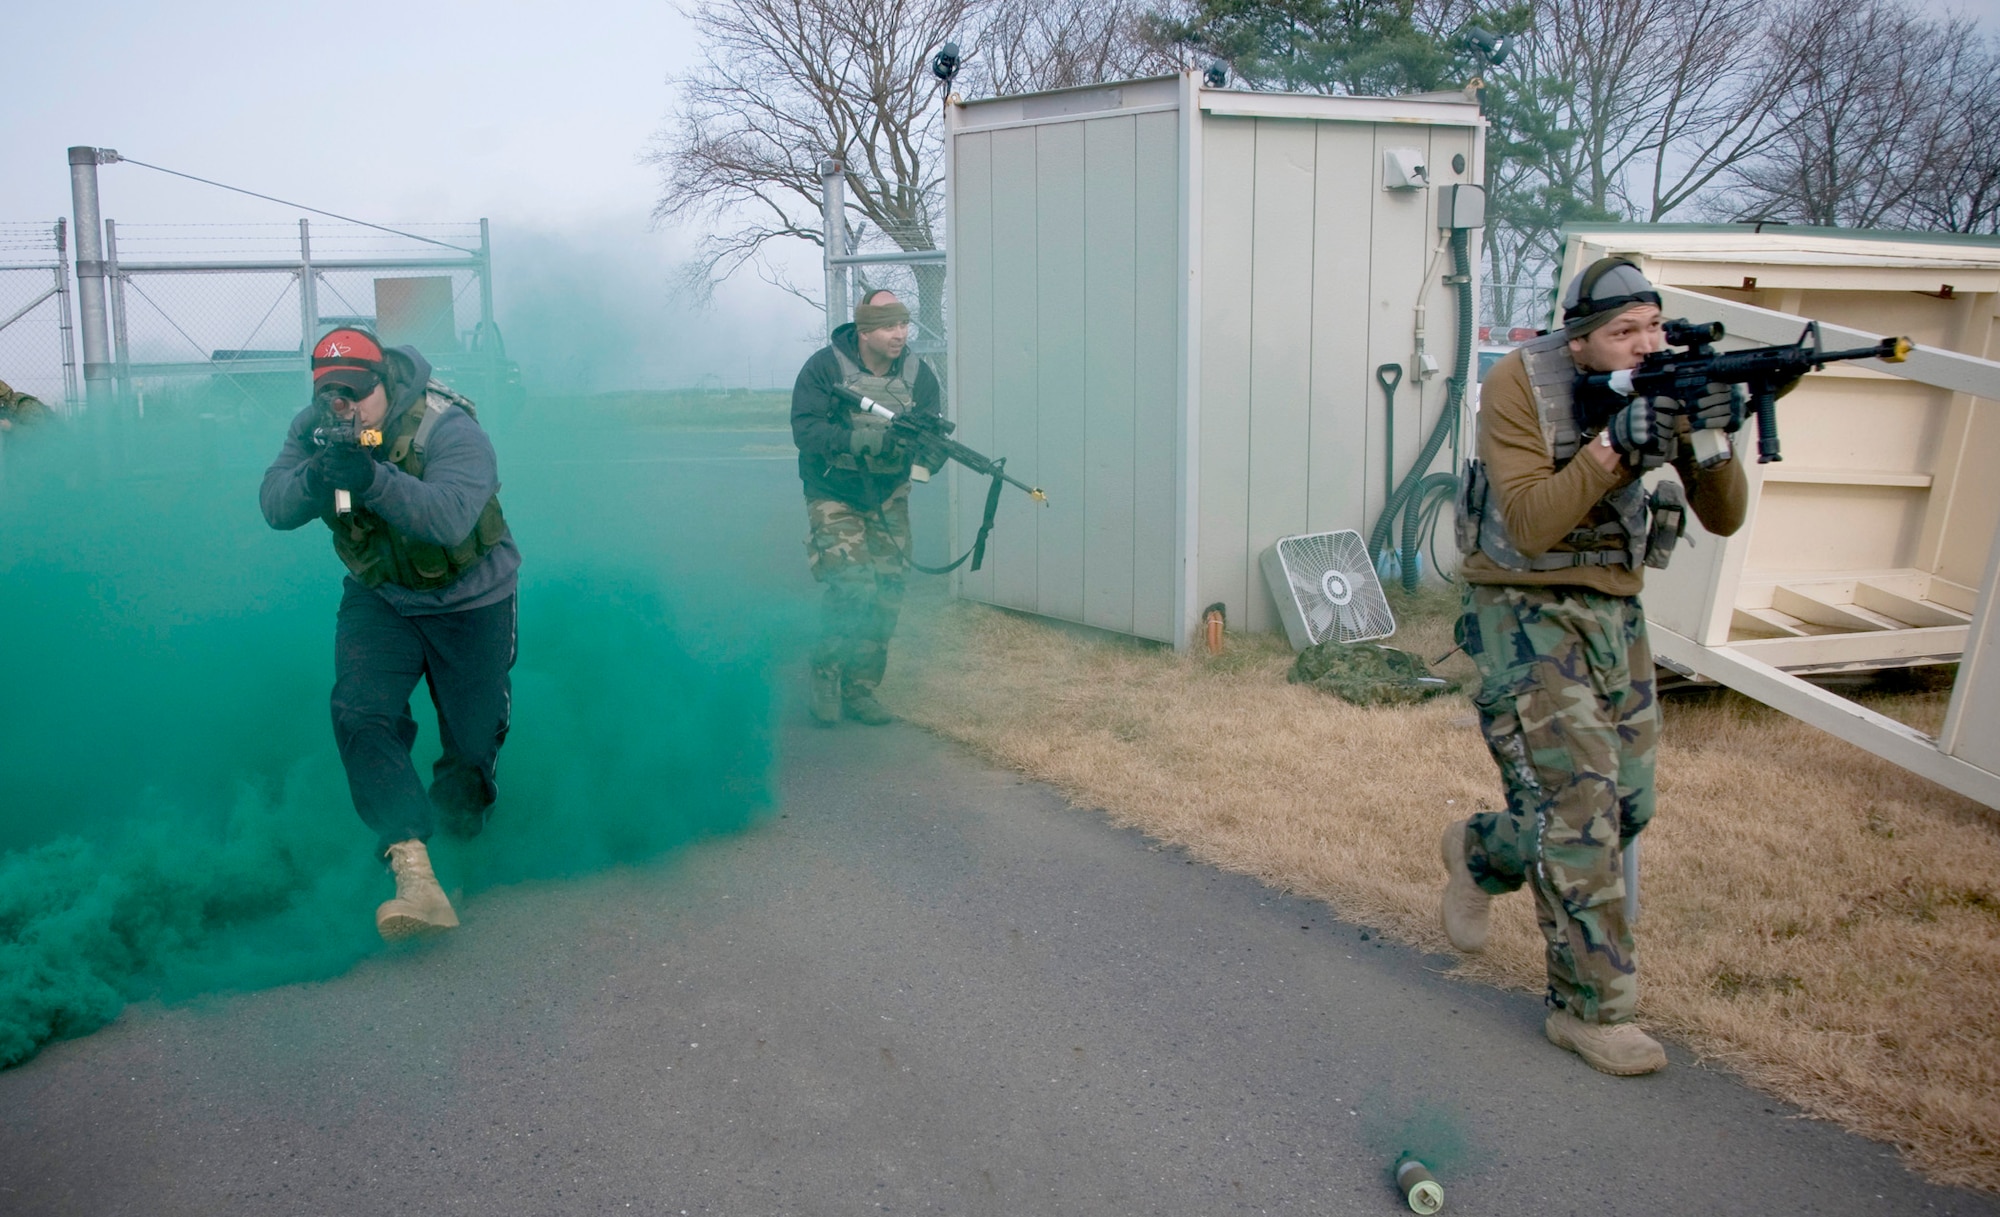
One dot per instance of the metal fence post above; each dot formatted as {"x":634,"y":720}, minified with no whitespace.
{"x":83,"y":164}
{"x":121,"y":354}
{"x":308,"y":290}
{"x":833,"y":205}
{"x":486,"y":281}
{"x":63,"y":319}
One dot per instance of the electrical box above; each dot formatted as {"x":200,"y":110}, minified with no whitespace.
{"x":1167,"y":306}
{"x":1404,"y":169}
{"x":1462,"y":206}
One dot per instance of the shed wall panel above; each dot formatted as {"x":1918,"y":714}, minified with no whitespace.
{"x":1346,"y":411}
{"x":1016,"y":375}
{"x":1401,"y":225}
{"x":1107,"y":401}
{"x":1156,"y":560}
{"x":1228,"y":170}
{"x":1281,"y":372}
{"x":1060,"y":311}
{"x":972,"y":338}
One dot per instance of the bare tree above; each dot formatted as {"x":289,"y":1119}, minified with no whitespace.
{"x":1888,"y":121}
{"x":1961,"y":190}
{"x":784,"y":84}
{"x":1030,"y":45}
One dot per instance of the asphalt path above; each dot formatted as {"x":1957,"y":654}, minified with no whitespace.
{"x":919,"y":985}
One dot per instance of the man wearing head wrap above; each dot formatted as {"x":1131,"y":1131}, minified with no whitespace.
{"x":429,"y":595}
{"x":1557,"y":529}
{"x":857,"y":484}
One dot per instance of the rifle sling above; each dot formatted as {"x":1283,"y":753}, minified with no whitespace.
{"x":978,"y":551}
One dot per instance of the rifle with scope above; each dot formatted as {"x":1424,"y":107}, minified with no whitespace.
{"x":1767,"y":373}
{"x":339,"y":432}
{"x":927,"y":436}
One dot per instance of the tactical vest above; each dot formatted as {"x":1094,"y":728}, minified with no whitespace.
{"x":375,"y":552}
{"x":898,"y":391}
{"x":1644,"y":526}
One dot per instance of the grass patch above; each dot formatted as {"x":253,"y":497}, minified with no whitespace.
{"x":1823,"y":922}
{"x":671,"y":409}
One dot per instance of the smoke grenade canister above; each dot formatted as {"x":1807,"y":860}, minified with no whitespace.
{"x":1419,"y":1189}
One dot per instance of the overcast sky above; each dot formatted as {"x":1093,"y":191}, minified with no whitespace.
{"x":529,"y":112}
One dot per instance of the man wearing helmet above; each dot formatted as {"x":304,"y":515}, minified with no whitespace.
{"x":404,"y":476}
{"x":1556,"y":529}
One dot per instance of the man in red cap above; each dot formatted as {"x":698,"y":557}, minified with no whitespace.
{"x":400,"y":470}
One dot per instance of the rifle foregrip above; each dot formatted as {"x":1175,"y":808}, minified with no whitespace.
{"x":1767,"y":425}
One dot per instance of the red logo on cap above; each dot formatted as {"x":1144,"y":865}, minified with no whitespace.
{"x":348,"y":345}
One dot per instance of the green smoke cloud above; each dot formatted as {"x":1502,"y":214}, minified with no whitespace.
{"x":173,"y":817}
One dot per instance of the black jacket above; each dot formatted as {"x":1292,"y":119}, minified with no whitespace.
{"x":820,"y":423}
{"x":460,"y":474}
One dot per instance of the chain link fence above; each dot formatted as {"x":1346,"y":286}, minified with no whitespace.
{"x":229,"y":313}
{"x":37,"y":351}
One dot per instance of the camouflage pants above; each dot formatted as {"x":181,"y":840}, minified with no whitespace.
{"x":1566,"y":704}
{"x":860,"y":556}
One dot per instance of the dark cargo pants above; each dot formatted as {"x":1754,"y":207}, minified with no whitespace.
{"x":1567,"y":707}
{"x":378,"y":657}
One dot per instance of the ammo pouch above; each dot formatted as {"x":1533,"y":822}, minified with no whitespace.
{"x":1471,"y":507}
{"x":1669,"y":522}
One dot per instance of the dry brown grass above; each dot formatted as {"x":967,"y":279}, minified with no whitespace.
{"x":1819,"y":920}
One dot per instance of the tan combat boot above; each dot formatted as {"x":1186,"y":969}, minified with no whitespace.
{"x":1466,"y":905}
{"x":420,"y":906}
{"x":861,"y":706}
{"x":826,"y":696}
{"x":1620,"y":1048}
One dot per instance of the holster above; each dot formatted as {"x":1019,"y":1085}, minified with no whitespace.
{"x":1470,"y":507}
{"x":1669,"y":508}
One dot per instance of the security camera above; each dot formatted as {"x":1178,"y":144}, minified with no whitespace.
{"x":1485,"y":45}
{"x":1217,"y":74}
{"x":944,"y":65}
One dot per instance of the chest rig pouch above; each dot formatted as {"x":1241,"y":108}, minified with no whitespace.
{"x":376,"y":553}
{"x":898,"y":391}
{"x":1636,"y":518}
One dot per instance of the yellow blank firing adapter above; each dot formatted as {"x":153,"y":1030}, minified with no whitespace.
{"x":1903,"y":348}
{"x":369,"y":439}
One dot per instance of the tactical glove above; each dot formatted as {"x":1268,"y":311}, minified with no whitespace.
{"x":870,"y":436}
{"x":347,"y":467}
{"x":1635,"y":429}
{"x":317,"y":487}
{"x":1721,"y":408}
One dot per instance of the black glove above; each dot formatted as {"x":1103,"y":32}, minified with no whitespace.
{"x":870,"y":436}
{"x":1636,"y":428}
{"x":317,"y":487}
{"x":348,"y":467}
{"x":1721,"y":408}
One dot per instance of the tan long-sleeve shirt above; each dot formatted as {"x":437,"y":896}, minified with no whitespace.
{"x":1542,"y":504}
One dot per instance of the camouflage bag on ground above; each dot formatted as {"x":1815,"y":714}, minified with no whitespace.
{"x":1368,"y":674}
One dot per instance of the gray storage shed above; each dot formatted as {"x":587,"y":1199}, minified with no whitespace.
{"x":1168,"y":304}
